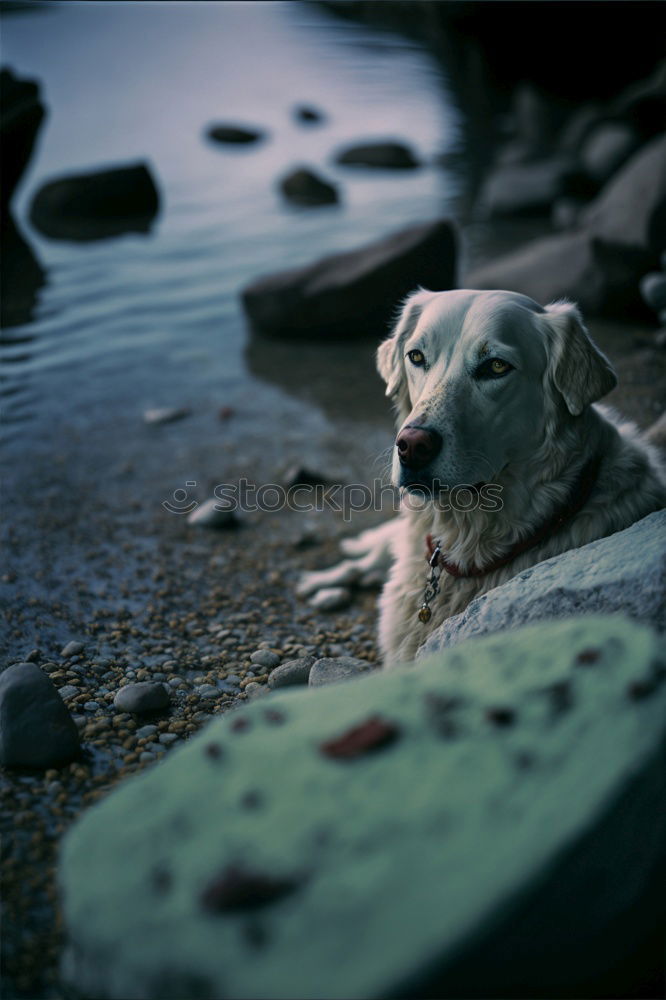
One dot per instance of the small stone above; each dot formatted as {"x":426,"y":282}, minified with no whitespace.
{"x":207,"y":691}
{"x":146,"y":757}
{"x":165,"y":414}
{"x":142,"y":697}
{"x":33,"y":656}
{"x":72,"y":648}
{"x":213,"y":513}
{"x":68,"y":691}
{"x":332,"y":669}
{"x":291,"y":673}
{"x":330,"y":599}
{"x":145,"y":732}
{"x":265,"y":658}
{"x":168,"y":738}
{"x":254,"y":690}
{"x":91,"y":706}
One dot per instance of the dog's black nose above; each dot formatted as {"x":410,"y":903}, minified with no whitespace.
{"x":417,"y":446}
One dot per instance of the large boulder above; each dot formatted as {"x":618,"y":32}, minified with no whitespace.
{"x":631,"y":208}
{"x":96,"y":205}
{"x":21,"y":114}
{"x":625,"y":572}
{"x":353,"y":294}
{"x":36,"y":730}
{"x":487,"y":824}
{"x":601,"y":277}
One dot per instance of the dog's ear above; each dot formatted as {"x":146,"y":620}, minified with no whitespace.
{"x":576,"y":366}
{"x":390,"y":362}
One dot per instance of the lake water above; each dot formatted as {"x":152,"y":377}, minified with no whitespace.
{"x":152,"y":320}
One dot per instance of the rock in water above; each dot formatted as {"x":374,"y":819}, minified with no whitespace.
{"x":489,"y":823}
{"x":234,"y":135}
{"x":385,"y":155}
{"x":96,"y":205}
{"x":303,"y":187}
{"x":625,"y":573}
{"x":354,"y":294}
{"x":21,"y":114}
{"x":36,"y":730}
{"x":308,"y":115}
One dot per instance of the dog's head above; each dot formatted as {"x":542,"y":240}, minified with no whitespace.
{"x":475,"y":377}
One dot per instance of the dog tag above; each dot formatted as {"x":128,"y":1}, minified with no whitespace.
{"x":425,"y":614}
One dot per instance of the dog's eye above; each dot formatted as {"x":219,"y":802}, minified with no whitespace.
{"x":493,"y":368}
{"x":416,"y":358}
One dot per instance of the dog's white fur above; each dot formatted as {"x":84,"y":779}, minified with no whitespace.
{"x":531,"y":432}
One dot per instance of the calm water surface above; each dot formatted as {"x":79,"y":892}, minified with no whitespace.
{"x":147,"y":320}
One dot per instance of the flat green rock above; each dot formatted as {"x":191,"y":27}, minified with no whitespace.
{"x":390,"y":836}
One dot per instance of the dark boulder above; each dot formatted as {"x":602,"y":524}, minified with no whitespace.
{"x":235,"y":135}
{"x":303,"y":187}
{"x":21,"y":114}
{"x":36,"y":730}
{"x":353,"y":294}
{"x":386,"y":155}
{"x":96,"y":205}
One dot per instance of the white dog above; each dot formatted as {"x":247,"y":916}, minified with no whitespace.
{"x":501,"y":457}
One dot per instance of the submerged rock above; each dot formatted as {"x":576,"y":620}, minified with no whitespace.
{"x":353,"y":294}
{"x":303,"y":187}
{"x":385,"y":155}
{"x":625,"y":572}
{"x":96,"y":205}
{"x":444,"y":828}
{"x":36,"y":730}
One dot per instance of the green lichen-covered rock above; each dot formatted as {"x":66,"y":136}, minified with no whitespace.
{"x":487,"y":824}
